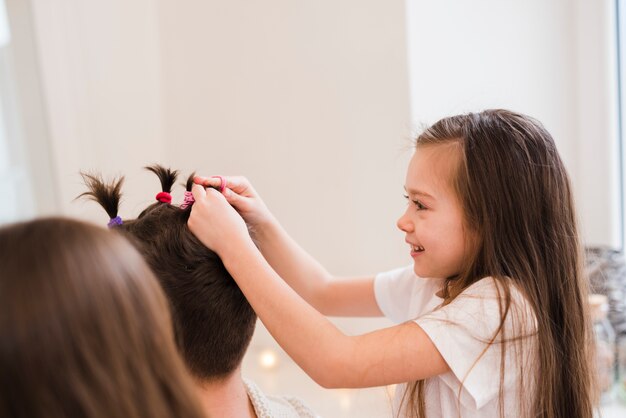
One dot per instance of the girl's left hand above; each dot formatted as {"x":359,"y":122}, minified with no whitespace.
{"x":215,"y":222}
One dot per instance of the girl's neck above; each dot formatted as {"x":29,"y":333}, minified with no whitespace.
{"x":226,"y":397}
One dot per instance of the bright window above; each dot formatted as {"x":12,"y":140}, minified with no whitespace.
{"x":10,"y":171}
{"x":24,"y":142}
{"x":621,"y":80}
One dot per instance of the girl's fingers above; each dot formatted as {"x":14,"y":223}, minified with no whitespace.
{"x":198,"y":192}
{"x":214,"y":196}
{"x":208,"y":181}
{"x":234,"y":199}
{"x":199,"y":179}
{"x":237,"y":184}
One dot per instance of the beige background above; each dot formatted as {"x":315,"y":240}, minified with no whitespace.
{"x":314,"y":101}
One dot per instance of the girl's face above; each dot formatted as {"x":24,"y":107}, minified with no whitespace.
{"x":433,"y":221}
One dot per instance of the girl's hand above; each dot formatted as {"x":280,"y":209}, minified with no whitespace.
{"x":241,"y":195}
{"x":215,"y":223}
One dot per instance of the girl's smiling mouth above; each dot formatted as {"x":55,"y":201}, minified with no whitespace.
{"x":415,"y":249}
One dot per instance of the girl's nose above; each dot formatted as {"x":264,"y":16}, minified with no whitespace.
{"x":404,"y":223}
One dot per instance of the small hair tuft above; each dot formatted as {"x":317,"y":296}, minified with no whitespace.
{"x":107,"y":195}
{"x":166,"y":176}
{"x":189,"y":183}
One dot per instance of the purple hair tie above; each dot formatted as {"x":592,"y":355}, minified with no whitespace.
{"x":114,"y":222}
{"x":188,"y":200}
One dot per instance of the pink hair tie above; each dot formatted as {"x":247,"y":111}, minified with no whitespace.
{"x":164,"y":197}
{"x":188,"y":200}
{"x":222,"y":183}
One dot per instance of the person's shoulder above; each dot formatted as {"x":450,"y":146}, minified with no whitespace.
{"x":266,"y":406}
{"x":490,"y":287}
{"x":301,"y":408}
{"x":289,"y":407}
{"x":493,"y":292}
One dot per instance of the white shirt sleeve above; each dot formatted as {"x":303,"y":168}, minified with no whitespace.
{"x":402,"y":296}
{"x":462,"y":331}
{"x":389,"y":290}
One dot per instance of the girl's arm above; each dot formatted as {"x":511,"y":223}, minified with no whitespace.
{"x":333,"y":296}
{"x":398,"y":354}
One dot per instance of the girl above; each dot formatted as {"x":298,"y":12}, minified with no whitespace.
{"x":492,"y":310}
{"x":85,"y":328}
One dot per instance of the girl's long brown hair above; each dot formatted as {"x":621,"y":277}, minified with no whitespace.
{"x":85,"y":328}
{"x":518,"y":204}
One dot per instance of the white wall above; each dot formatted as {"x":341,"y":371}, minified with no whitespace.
{"x":101,"y":80}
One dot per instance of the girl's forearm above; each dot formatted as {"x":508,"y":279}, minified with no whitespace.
{"x":313,"y":342}
{"x":332,"y":296}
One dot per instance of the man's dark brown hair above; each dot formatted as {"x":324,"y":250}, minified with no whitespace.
{"x":213,"y":321}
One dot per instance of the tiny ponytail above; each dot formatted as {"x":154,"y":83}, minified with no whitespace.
{"x":167,"y":178}
{"x":189,"y":183}
{"x":189,"y":200}
{"x":107,"y":195}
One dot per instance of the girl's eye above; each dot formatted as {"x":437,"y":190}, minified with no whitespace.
{"x":417,"y":203}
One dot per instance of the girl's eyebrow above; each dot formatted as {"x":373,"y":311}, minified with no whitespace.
{"x":418,"y":193}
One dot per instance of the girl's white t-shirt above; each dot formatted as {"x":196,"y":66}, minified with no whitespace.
{"x":461,"y":331}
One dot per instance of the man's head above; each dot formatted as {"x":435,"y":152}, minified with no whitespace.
{"x":213,"y":321}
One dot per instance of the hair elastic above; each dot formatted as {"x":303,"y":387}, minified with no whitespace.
{"x":114,"y":222}
{"x":188,"y":200}
{"x":222,"y":183}
{"x":164,"y":197}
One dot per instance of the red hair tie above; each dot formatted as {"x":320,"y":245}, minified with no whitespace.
{"x":164,"y":197}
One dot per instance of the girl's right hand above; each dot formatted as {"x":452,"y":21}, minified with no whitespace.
{"x":241,"y":195}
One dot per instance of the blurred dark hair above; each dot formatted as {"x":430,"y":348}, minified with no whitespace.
{"x":213,"y":321}
{"x":85,"y":328}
